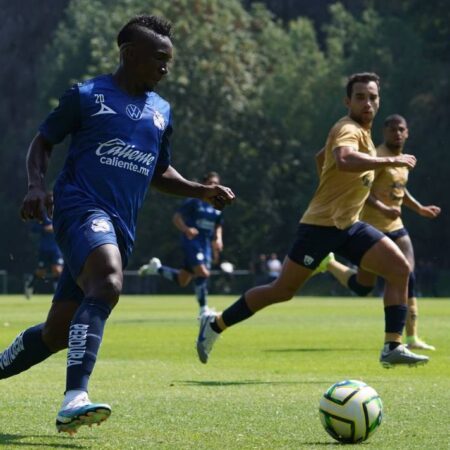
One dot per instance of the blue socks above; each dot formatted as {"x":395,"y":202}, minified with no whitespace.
{"x":26,"y":350}
{"x":169,"y":273}
{"x":395,"y":318}
{"x":201,"y":290}
{"x":236,"y":313}
{"x":85,"y":336}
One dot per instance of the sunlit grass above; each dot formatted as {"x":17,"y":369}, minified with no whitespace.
{"x":260,"y":389}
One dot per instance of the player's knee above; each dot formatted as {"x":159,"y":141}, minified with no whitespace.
{"x":109,"y":289}
{"x":285,"y":294}
{"x":57,"y":271}
{"x":399,"y":271}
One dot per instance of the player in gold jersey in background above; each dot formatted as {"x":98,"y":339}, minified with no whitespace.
{"x":383,"y":211}
{"x":331,"y":223}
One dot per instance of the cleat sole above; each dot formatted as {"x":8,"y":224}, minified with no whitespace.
{"x":96,"y":416}
{"x":202,"y":356}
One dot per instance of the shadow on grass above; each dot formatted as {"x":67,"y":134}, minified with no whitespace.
{"x":306,"y":350}
{"x":244,"y":382}
{"x":22,"y":440}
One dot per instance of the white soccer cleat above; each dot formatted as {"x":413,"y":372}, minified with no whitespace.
{"x":205,"y":310}
{"x":418,"y":344}
{"x":401,"y":356}
{"x":151,"y":268}
{"x":80,"y":412}
{"x":206,"y":336}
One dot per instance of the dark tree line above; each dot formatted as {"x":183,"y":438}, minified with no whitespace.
{"x":253,"y":93}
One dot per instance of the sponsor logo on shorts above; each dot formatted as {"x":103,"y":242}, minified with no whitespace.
{"x":308,"y":260}
{"x":100,"y":225}
{"x":200,"y":256}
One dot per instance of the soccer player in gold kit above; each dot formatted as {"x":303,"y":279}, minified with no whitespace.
{"x":383,"y":211}
{"x":331,"y":223}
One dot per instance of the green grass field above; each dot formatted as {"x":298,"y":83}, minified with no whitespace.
{"x":260,"y":390}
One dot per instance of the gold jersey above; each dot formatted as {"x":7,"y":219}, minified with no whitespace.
{"x":340,"y":197}
{"x":388,"y":187}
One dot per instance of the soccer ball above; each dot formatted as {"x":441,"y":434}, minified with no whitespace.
{"x":350,"y":411}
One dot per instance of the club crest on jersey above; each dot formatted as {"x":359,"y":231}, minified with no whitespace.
{"x":133,"y":112}
{"x":158,"y":120}
{"x":100,"y":225}
{"x":308,"y":260}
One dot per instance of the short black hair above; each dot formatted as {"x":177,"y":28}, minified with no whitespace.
{"x":143,"y":24}
{"x":362,"y":77}
{"x":394,"y":118}
{"x":207,"y":176}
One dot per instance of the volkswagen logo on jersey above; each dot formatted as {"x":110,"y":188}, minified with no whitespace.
{"x":133,"y":112}
{"x":158,"y":120}
{"x":100,"y":225}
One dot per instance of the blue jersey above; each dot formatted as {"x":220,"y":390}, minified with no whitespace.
{"x":201,"y":215}
{"x":117,"y":143}
{"x":47,"y":242}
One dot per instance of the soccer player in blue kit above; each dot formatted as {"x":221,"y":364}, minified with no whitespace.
{"x":120,"y":133}
{"x":201,"y":228}
{"x":50,"y":259}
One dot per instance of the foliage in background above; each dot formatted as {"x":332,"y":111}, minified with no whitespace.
{"x":253,"y":98}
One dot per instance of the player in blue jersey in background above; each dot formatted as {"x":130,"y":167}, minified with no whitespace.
{"x":50,"y":259}
{"x":120,"y":133}
{"x":201,"y":240}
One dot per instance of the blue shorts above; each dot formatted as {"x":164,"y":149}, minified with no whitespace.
{"x":314,"y":242}
{"x":397,"y":234}
{"x":49,"y":258}
{"x":77,"y":236}
{"x":196,"y":254}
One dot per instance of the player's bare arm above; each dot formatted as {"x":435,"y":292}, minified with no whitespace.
{"x":217,"y":242}
{"x":429,"y":211}
{"x":350,"y":160}
{"x":391,"y":212}
{"x":172,"y":182}
{"x":37,"y":200}
{"x":180,"y":224}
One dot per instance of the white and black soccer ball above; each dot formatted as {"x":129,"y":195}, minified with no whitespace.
{"x":350,"y":411}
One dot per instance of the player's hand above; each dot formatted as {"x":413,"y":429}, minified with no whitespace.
{"x":392,"y":212}
{"x":405,"y":160}
{"x":430,"y":211}
{"x":219,"y":196}
{"x":191,"y":233}
{"x":34,"y":205}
